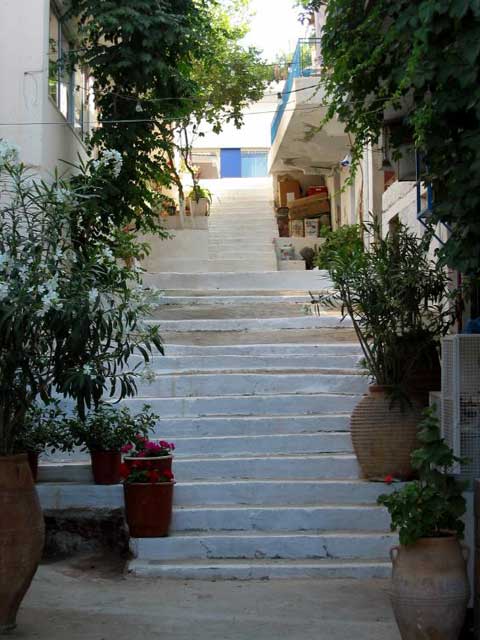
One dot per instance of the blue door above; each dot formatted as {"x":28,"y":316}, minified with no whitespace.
{"x":231,"y":163}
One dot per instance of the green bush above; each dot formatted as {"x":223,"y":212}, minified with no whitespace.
{"x":348,"y":239}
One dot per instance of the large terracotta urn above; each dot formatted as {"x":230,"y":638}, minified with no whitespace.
{"x":22,"y":532}
{"x":430,"y":589}
{"x":384,"y":434}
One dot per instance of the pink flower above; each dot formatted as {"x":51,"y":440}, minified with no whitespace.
{"x":126,"y":448}
{"x":388,"y":479}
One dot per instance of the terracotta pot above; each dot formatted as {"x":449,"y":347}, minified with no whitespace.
{"x":106,"y":466}
{"x":33,"y":464}
{"x":384,"y":436}
{"x":149,"y":509}
{"x":162,"y":463}
{"x":430,"y":589}
{"x":22,"y":532}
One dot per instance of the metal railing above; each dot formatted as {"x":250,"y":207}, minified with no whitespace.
{"x":306,"y":62}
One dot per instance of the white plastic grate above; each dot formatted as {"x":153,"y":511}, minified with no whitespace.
{"x":460,"y":414}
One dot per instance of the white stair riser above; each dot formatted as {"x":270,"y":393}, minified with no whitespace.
{"x":260,"y":350}
{"x":281,"y":519}
{"x":259,"y":570}
{"x":226,"y":363}
{"x":230,"y":300}
{"x":289,"y":547}
{"x":265,"y":445}
{"x":171,"y":428}
{"x":248,"y":281}
{"x":273,"y":405}
{"x":271,"y":468}
{"x":231,"y":384}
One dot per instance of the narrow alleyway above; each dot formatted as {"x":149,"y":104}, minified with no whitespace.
{"x":257,"y":393}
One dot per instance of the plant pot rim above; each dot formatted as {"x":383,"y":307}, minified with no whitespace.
{"x":115,"y":451}
{"x":148,"y":484}
{"x":379,"y":388}
{"x":149,"y":458}
{"x":15,"y":457}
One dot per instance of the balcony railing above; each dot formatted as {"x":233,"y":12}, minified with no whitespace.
{"x":306,"y":62}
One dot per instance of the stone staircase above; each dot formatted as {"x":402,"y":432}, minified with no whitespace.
{"x":242,"y":225}
{"x":257,"y":395}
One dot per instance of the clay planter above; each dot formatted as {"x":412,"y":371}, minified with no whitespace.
{"x":106,"y":466}
{"x":160,"y":463}
{"x":430,"y":589}
{"x":149,"y":509}
{"x":22,"y":534}
{"x":384,"y":436}
{"x":33,"y":464}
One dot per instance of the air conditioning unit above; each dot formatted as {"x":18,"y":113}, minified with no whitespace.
{"x":460,"y":403}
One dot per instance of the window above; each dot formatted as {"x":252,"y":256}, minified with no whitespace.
{"x":69,"y":88}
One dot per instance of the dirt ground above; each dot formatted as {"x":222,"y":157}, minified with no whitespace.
{"x":90,"y":599}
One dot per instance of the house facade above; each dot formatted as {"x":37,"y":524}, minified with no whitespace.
{"x":48,"y":108}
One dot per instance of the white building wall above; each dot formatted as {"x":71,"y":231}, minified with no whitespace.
{"x":28,"y":117}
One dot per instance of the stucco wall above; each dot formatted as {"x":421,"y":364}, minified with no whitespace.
{"x":25,"y":104}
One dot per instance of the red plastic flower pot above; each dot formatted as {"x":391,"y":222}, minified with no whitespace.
{"x":106,"y":466}
{"x":160,"y":463}
{"x":149,"y":509}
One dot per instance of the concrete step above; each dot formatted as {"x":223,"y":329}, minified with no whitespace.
{"x":271,"y":281}
{"x":254,"y":324}
{"x":263,"y":310}
{"x":231,"y":299}
{"x":258,"y":265}
{"x":88,"y":496}
{"x":280,"y":337}
{"x":281,"y":518}
{"x":247,"y":384}
{"x":259,"y":569}
{"x":264,"y":444}
{"x":190,"y":364}
{"x":287,"y":467}
{"x":268,"y":545}
{"x":212,"y":426}
{"x":258,"y":405}
{"x":264,"y":350}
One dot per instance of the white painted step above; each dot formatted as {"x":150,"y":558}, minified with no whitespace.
{"x":264,"y":444}
{"x":261,"y":350}
{"x":267,"y":405}
{"x":246,"y":384}
{"x":248,"y":281}
{"x":214,"y":426}
{"x":286,"y":467}
{"x":254,"y":324}
{"x":269,"y":545}
{"x":280,"y":518}
{"x":73,"y":495}
{"x":229,"y":300}
{"x":186,"y":364}
{"x":259,"y":569}
{"x":258,"y":264}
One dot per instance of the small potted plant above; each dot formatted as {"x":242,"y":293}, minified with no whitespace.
{"x":200,"y":199}
{"x":44,"y":427}
{"x":430,"y":589}
{"x":148,"y":499}
{"x":105,"y":432}
{"x":147,"y":454}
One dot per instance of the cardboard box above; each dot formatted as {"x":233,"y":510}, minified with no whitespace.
{"x":286,"y":187}
{"x":312,"y":226}
{"x":310,"y":207}
{"x":297,"y":229}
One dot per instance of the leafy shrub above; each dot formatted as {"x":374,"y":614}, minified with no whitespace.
{"x":346,"y":239}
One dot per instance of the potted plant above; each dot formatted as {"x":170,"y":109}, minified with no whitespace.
{"x":107,"y":431}
{"x":399,"y":302}
{"x":44,"y":427}
{"x":148,"y":499}
{"x":430,"y":589}
{"x":146,"y":454}
{"x":200,"y":199}
{"x":71,"y":316}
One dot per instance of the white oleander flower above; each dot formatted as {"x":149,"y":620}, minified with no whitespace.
{"x":93,"y":296}
{"x":8,"y":152}
{"x":3,"y":290}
